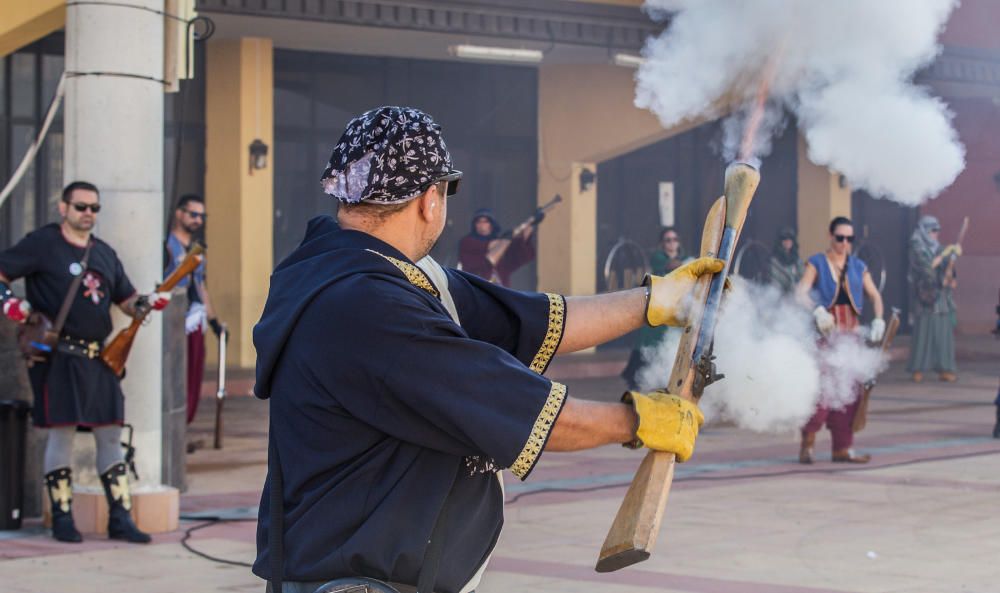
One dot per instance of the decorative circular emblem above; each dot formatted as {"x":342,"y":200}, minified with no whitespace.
{"x":75,"y":269}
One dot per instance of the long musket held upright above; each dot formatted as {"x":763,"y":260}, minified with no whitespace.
{"x":220,"y":392}
{"x":861,"y":415}
{"x":949,"y":271}
{"x":116,"y":352}
{"x":540,"y":210}
{"x":633,"y":533}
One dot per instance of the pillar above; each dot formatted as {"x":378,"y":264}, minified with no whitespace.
{"x":821,"y":197}
{"x":239,"y":200}
{"x":114,"y":139}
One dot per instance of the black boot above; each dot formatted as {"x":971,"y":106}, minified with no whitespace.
{"x":116,"y":489}
{"x":996,"y":427}
{"x":59,"y":483}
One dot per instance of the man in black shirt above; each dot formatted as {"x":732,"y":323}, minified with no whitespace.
{"x":73,"y":387}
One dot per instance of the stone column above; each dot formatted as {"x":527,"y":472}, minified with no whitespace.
{"x":114,"y":139}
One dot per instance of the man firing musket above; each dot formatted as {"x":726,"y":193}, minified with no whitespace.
{"x":413,"y":418}
{"x":72,"y":279}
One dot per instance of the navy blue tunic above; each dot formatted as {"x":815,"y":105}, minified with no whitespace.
{"x":382,"y":406}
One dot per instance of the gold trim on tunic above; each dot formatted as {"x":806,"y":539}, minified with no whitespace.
{"x":413,"y":274}
{"x":540,"y":431}
{"x":553,"y":335}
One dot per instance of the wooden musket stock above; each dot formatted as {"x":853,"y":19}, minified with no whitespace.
{"x":633,"y":533}
{"x":861,"y":416}
{"x":116,"y":352}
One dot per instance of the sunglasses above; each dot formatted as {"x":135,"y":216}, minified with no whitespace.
{"x":842,"y":238}
{"x":196,"y":215}
{"x":81,"y":207}
{"x":453,"y":180}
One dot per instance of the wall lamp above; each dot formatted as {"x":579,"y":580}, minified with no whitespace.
{"x":258,"y":155}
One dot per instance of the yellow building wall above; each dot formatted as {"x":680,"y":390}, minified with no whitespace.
{"x":586,"y":115}
{"x":820,"y":198}
{"x":25,"y":21}
{"x":238,"y":109}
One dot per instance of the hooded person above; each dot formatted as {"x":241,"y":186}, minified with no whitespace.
{"x":932,"y":303}
{"x":487,"y":253}
{"x":390,"y":417}
{"x":786,"y":267}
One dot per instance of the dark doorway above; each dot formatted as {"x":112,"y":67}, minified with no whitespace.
{"x":628,"y":191}
{"x":488,"y":114}
{"x":885,"y":228}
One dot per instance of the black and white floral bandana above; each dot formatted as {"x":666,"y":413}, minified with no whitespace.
{"x":387,"y":155}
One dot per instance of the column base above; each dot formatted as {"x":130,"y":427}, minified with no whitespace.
{"x":154,"y":510}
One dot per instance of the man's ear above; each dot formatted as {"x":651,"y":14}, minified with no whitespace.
{"x":427,"y":204}
{"x":62,"y":208}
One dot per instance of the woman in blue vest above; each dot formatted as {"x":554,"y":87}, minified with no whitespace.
{"x":835,"y":284}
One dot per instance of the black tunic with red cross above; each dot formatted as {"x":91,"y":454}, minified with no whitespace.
{"x":71,"y":390}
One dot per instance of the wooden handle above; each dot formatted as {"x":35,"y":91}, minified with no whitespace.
{"x":116,"y":352}
{"x":633,"y":533}
{"x":637,"y":523}
{"x":861,"y":414}
{"x":634,"y":530}
{"x":188,"y":265}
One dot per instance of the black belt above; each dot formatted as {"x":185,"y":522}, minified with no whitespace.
{"x":79,"y":347}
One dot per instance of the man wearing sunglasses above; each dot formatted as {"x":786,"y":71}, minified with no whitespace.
{"x":390,"y":418}
{"x":72,"y":386}
{"x":835,"y":284}
{"x":188,"y":220}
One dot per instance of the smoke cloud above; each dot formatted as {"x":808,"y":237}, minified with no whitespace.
{"x":775,"y":374}
{"x":844,"y":69}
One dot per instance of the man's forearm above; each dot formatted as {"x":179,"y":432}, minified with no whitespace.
{"x":593,"y":320}
{"x":586,"y":424}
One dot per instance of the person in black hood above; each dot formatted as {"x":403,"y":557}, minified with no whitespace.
{"x":786,"y":265}
{"x":488,"y":254}
{"x":390,"y":417}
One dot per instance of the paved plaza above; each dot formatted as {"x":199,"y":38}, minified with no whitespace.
{"x":743,"y":515}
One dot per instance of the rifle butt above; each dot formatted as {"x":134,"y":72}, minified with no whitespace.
{"x":633,"y":533}
{"x":861,"y":415}
{"x":116,"y":352}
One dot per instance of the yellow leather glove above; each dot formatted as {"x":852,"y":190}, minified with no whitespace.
{"x":666,"y":422}
{"x":669,"y":295}
{"x":951,"y":250}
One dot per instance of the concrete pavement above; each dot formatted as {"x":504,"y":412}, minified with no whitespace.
{"x":743,"y":516}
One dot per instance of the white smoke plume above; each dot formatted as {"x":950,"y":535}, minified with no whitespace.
{"x":775,"y":374}
{"x":843,"y":68}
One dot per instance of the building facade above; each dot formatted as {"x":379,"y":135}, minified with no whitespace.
{"x":561,"y":120}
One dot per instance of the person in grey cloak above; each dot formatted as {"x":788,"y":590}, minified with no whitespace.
{"x":933,"y":306}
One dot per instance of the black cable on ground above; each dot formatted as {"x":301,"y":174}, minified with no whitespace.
{"x":209,"y":521}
